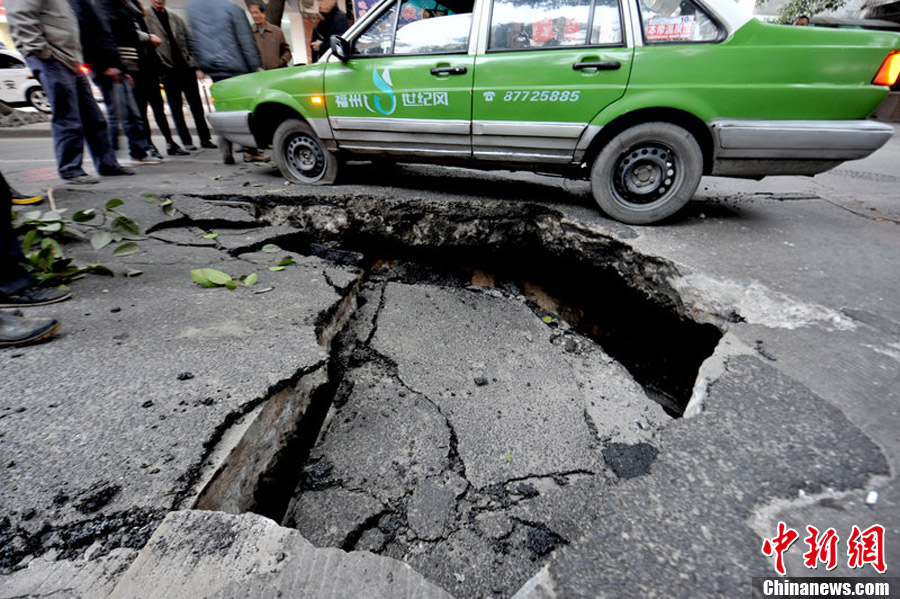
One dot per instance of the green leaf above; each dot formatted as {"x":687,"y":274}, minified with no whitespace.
{"x":275,"y":191}
{"x":83,"y":216}
{"x":133,"y":272}
{"x":210,"y":236}
{"x":101,"y":239}
{"x":169,"y":209}
{"x":52,"y":228}
{"x":51,"y":217}
{"x":199,"y":278}
{"x":29,"y":239}
{"x":276,"y":268}
{"x":270,"y":248}
{"x":547,"y":319}
{"x":215,"y":276}
{"x":251,"y":280}
{"x":152,"y":198}
{"x":114,"y":203}
{"x":53,"y":245}
{"x":99,"y":269}
{"x":126,"y":249}
{"x":31,"y":215}
{"x":286,"y":262}
{"x":231,"y":285}
{"x":508,"y":458}
{"x":127,"y":226}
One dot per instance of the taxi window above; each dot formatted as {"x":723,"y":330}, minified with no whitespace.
{"x":421,"y":27}
{"x":677,"y":21}
{"x":521,"y":24}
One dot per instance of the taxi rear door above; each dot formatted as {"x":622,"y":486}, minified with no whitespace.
{"x":543,"y":71}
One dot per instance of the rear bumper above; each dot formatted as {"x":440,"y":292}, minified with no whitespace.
{"x":798,"y":140}
{"x":233,"y":126}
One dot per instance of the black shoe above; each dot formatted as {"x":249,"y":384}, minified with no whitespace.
{"x":190,"y":147}
{"x":115,"y":171}
{"x":228,"y":159}
{"x":175,"y":150}
{"x":208,"y":144}
{"x":154,"y":153}
{"x":33,"y":295}
{"x":17,"y":330}
{"x":82,"y":179}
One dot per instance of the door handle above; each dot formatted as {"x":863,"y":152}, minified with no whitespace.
{"x":449,"y":71}
{"x":610,"y":65}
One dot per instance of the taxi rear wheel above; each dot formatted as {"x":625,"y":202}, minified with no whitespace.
{"x":300,"y":155}
{"x":647,"y":173}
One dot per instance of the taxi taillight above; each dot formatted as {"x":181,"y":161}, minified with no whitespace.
{"x":889,"y":71}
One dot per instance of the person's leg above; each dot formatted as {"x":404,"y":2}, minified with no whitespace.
{"x":113,"y":102}
{"x":172,"y":84}
{"x":12,"y":276}
{"x":95,"y":130}
{"x":154,"y":98}
{"x":138,"y":138}
{"x":192,"y":93}
{"x":59,"y":83}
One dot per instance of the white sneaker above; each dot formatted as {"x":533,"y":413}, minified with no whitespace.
{"x":128,"y":162}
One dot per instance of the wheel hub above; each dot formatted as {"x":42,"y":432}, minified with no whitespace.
{"x":645,"y":173}
{"x":305,"y":157}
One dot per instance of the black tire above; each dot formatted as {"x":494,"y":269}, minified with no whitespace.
{"x":647,"y":173}
{"x":39,"y":100}
{"x":300,"y":155}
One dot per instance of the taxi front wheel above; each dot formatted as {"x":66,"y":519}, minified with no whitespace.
{"x":300,"y":155}
{"x":647,"y":173}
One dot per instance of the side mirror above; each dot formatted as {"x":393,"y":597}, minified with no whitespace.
{"x":340,"y":47}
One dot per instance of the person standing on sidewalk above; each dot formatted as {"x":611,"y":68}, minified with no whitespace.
{"x":273,"y":48}
{"x":223,"y":45}
{"x":121,"y":107}
{"x":333,"y":22}
{"x":17,"y":289}
{"x":178,"y":72}
{"x":46,"y":32}
{"x":147,"y":79}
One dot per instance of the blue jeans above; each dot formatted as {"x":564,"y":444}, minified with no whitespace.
{"x":121,"y":108}
{"x":76,"y":118}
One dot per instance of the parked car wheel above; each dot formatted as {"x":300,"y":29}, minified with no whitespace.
{"x":647,"y":173}
{"x":38,"y":99}
{"x":300,"y":155}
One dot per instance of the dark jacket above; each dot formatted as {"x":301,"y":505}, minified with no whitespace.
{"x":120,"y":19}
{"x":333,"y":23}
{"x":221,"y":42}
{"x":97,"y":42}
{"x":179,"y":32}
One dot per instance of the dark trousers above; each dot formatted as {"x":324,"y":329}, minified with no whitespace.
{"x":121,"y":109}
{"x":184,"y":81}
{"x":146,"y":91}
{"x":76,"y":118}
{"x":12,"y":276}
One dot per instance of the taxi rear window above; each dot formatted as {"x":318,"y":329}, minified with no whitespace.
{"x":532,"y":24}
{"x":677,"y":21}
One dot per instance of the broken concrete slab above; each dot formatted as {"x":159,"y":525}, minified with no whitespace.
{"x":153,"y":381}
{"x":688,"y":522}
{"x":210,"y":554}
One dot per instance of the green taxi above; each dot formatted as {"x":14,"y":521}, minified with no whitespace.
{"x":641,"y":97}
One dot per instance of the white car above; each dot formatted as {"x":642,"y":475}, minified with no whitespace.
{"x":18,"y":87}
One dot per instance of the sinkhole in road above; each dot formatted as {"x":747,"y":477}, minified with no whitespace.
{"x":488,"y":387}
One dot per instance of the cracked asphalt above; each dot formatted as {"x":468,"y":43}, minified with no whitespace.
{"x":469,"y":446}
